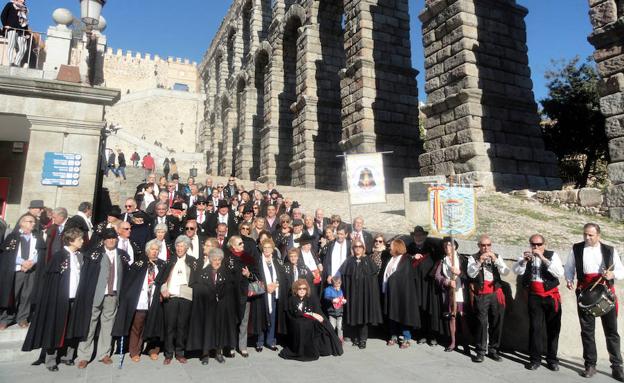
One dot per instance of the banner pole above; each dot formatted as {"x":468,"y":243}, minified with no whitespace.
{"x":344,"y":154}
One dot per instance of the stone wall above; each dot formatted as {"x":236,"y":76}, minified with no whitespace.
{"x":292,"y":85}
{"x":482,"y":120}
{"x":584,"y":201}
{"x":607,"y":18}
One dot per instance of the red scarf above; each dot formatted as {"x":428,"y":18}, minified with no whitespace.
{"x":247,"y":259}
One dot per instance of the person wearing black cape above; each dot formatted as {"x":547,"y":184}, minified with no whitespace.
{"x":400,"y":296}
{"x":50,"y":328}
{"x":139,"y":299}
{"x":294,"y":269}
{"x":359,"y":280}
{"x":264,"y":308}
{"x":425,"y":253}
{"x":309,"y":333}
{"x":214,"y":316}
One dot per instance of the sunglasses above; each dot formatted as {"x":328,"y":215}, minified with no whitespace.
{"x":189,"y":228}
{"x":245,"y":228}
{"x":302,"y":289}
{"x":485,"y":244}
{"x":219,"y":187}
{"x":378,"y":241}
{"x":201,"y":203}
{"x":128,"y":206}
{"x":356,"y":246}
{"x":536,"y":244}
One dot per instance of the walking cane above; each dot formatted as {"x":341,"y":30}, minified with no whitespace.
{"x":121,"y":351}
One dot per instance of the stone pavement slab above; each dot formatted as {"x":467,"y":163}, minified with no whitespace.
{"x":378,"y":363}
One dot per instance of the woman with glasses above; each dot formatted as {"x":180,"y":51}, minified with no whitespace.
{"x":400,"y":296}
{"x":139,"y":299}
{"x":452,"y":280}
{"x":212,"y":326}
{"x":259,"y":224}
{"x":264,"y":308}
{"x":243,"y":267}
{"x":380,"y":254}
{"x":324,"y":242}
{"x":283,"y":233}
{"x":359,"y":281}
{"x":309,"y":333}
{"x":294,"y":270}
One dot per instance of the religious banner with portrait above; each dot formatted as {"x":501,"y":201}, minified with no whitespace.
{"x":365,"y":178}
{"x":452,"y":210}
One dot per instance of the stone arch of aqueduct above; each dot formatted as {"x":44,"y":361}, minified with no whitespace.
{"x":290,"y":84}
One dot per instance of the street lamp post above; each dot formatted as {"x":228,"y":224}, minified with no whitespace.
{"x":90,"y":11}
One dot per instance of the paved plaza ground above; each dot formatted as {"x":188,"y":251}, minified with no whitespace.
{"x":378,"y":363}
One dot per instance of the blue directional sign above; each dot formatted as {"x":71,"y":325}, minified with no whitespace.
{"x":61,"y":169}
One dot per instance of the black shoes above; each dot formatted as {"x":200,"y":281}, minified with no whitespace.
{"x":532,"y":366}
{"x":272,"y":347}
{"x":552,"y":366}
{"x":244,"y":353}
{"x":618,"y":374}
{"x":362,"y":345}
{"x":53,"y":368}
{"x":589,"y":372}
{"x":37,"y":362}
{"x":205,"y":360}
{"x":219,"y":358}
{"x":494,"y":355}
{"x":258,"y":348}
{"x":478,"y":358}
{"x":68,"y":362}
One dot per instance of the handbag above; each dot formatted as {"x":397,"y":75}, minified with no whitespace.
{"x":255,"y":289}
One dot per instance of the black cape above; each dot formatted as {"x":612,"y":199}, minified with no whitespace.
{"x":361,"y":289}
{"x":8,"y":256}
{"x":430,"y":295}
{"x":80,"y":316}
{"x":308,"y":338}
{"x":214,"y":315}
{"x":51,"y":326}
{"x":286,"y":291}
{"x":259,"y":316}
{"x":401,"y":296}
{"x":132,"y":284}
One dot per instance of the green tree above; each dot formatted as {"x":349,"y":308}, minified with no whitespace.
{"x":577,"y":127}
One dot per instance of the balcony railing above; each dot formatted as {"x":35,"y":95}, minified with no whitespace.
{"x":33,"y":58}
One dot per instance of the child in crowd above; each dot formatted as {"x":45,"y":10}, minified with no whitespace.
{"x":333,"y":294}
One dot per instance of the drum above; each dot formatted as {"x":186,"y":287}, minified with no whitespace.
{"x":596,"y":302}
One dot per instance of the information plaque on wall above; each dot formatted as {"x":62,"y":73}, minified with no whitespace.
{"x":61,"y":169}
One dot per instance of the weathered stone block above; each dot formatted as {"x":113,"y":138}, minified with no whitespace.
{"x":614,"y":197}
{"x":616,"y":172}
{"x":614,"y":127}
{"x":603,"y":13}
{"x":612,"y":105}
{"x":590,"y":197}
{"x":616,"y":149}
{"x":611,"y":66}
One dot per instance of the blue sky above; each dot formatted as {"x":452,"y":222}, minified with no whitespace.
{"x":556,"y":29}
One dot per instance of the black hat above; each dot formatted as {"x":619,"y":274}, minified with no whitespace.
{"x":175,"y":176}
{"x":177,"y":206}
{"x":36,"y":204}
{"x":109,"y":233}
{"x":140,"y":214}
{"x":223,"y":203}
{"x":115,"y":211}
{"x":419,"y":230}
{"x":201,"y":198}
{"x":449,"y":239}
{"x":297,"y":222}
{"x":248,"y":208}
{"x":305,"y":239}
{"x":295,"y":204}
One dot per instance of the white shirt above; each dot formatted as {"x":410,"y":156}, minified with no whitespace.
{"x":144,"y":302}
{"x":201,"y":216}
{"x":112,"y":258}
{"x":308,"y":259}
{"x":448,"y":273}
{"x":74,"y":273}
{"x":338,"y":256}
{"x":32,"y":252}
{"x":391,"y":267}
{"x":223,"y":218}
{"x":178,"y":277}
{"x":474,"y":267}
{"x":592,"y":263}
{"x":294,"y":238}
{"x":87,"y":221}
{"x":195,"y":247}
{"x":162,"y":253}
{"x":124,"y":244}
{"x":162,"y":219}
{"x":555,"y":268}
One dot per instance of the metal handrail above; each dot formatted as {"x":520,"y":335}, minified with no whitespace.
{"x":36,"y":51}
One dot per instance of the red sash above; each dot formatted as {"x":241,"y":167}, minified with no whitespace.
{"x":489,"y":288}
{"x":537,"y":288}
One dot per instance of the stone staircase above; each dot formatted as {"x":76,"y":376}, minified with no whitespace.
{"x":11,"y":341}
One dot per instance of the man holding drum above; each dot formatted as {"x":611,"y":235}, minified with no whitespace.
{"x":592,"y":261}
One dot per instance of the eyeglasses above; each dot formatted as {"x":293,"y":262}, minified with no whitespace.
{"x":245,"y":228}
{"x":536,"y":244}
{"x":189,"y":228}
{"x":378,"y":241}
{"x":128,"y":206}
{"x":485,"y":244}
{"x":230,"y":180}
{"x":219,"y":187}
{"x":200,"y":203}
{"x":356,"y":246}
{"x":302,"y":289}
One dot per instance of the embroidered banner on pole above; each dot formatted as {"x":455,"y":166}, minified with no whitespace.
{"x":453,"y":210}
{"x":365,"y":178}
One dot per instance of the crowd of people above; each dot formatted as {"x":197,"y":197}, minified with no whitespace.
{"x":200,"y":270}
